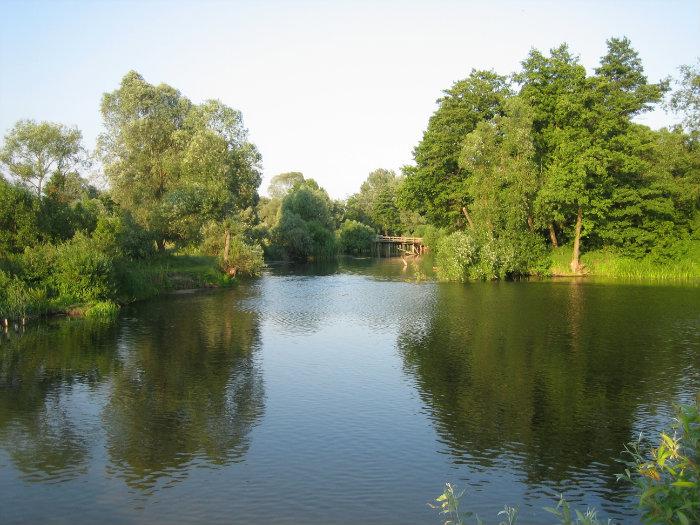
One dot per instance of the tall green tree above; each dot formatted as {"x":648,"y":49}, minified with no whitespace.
{"x":503,"y":181}
{"x":34,"y":151}
{"x":434,"y":186}
{"x":172,"y":164}
{"x":376,"y":202}
{"x":686,"y":99}
{"x":305,"y":224}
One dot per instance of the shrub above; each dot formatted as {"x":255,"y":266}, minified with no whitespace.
{"x":242,"y":257}
{"x":120,"y":236}
{"x":83,"y":272}
{"x":355,"y":238}
{"x":463,"y":256}
{"x":17,"y":299}
{"x":455,"y":255}
{"x":37,"y":264}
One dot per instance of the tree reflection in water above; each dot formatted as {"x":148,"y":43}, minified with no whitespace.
{"x":551,"y":377}
{"x":172,"y":384}
{"x":188,"y":390}
{"x":43,"y":373}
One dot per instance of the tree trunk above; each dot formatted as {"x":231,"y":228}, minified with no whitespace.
{"x":469,"y":219}
{"x":530,"y":223}
{"x":227,"y":246}
{"x":575,"y":256}
{"x":553,"y":236}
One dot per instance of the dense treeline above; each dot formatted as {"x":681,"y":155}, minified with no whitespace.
{"x":553,"y":155}
{"x":180,"y":175}
{"x":509,"y":170}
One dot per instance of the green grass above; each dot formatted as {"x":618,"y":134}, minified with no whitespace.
{"x":603,"y":263}
{"x":149,"y":278}
{"x":102,"y":310}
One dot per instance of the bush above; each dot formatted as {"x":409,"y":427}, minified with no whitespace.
{"x":355,"y":238}
{"x":83,"y":272}
{"x":17,"y":299}
{"x":456,"y":255}
{"x":464,"y":256}
{"x":242,"y":258}
{"x":37,"y":264}
{"x":430,"y":235}
{"x":120,"y":236}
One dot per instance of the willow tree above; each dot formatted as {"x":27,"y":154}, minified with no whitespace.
{"x":172,"y":164}
{"x":503,"y":177}
{"x":434,"y":186}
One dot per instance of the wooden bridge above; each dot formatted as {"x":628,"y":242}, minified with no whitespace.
{"x":394,"y":246}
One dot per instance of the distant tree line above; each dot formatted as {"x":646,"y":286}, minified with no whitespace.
{"x":508,"y":169}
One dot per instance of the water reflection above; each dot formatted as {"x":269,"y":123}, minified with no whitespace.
{"x":188,"y":390}
{"x":43,"y":372}
{"x":550,"y":377}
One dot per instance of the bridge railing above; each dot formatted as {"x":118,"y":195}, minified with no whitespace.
{"x":398,"y":239}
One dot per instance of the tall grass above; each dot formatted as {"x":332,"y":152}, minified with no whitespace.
{"x":609,"y":264}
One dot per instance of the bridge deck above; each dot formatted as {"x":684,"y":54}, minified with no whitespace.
{"x":398,"y":240}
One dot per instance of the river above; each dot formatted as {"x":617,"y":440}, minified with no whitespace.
{"x":342,"y":394}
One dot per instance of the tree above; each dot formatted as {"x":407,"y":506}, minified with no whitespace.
{"x":19,"y":226}
{"x":33,"y":151}
{"x":281,"y":184}
{"x":503,"y":181}
{"x":376,"y":202}
{"x":434,"y":185}
{"x":582,"y":128}
{"x":172,"y":164}
{"x":305,"y":223}
{"x":686,"y":99}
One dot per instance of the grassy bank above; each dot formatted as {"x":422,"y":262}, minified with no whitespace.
{"x":133,"y":281}
{"x":604,"y":263}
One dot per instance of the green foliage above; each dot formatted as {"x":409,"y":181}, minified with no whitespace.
{"x":465,"y":256}
{"x":19,"y":218}
{"x":121,"y":236}
{"x":355,"y":238}
{"x":241,"y":258}
{"x":565,"y":515}
{"x":83,"y":272}
{"x":305,"y":224}
{"x":667,"y":477}
{"x":376,"y":203}
{"x":434,"y":186}
{"x":174,"y":165}
{"x":33,"y":151}
{"x":102,"y":310}
{"x":17,"y":299}
{"x":608,"y":263}
{"x":686,"y":99}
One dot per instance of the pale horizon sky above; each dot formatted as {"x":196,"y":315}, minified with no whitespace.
{"x":331,"y":89}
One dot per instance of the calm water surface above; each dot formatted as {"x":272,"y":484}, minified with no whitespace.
{"x":341,"y":395}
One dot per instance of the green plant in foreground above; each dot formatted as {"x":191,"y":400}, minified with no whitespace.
{"x":566,"y":517}
{"x":667,"y":477}
{"x":667,"y":480}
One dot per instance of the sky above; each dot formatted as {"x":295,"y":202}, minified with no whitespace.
{"x":331,"y":89}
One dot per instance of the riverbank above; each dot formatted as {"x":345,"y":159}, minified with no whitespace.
{"x":602,"y":263}
{"x":134,"y":281}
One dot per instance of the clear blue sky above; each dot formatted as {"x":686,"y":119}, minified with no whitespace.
{"x":332,"y":89}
